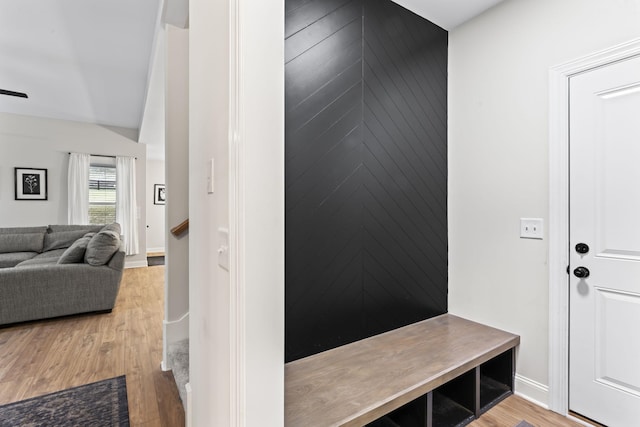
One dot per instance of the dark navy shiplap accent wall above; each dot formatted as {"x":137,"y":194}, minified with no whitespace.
{"x":365,"y":171}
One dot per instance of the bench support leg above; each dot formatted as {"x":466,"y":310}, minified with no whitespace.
{"x":429,"y":408}
{"x":513,"y":370}
{"x":476,"y":392}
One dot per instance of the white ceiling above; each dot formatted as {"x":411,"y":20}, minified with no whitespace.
{"x":82,"y":60}
{"x":89,"y":60}
{"x":448,"y":14}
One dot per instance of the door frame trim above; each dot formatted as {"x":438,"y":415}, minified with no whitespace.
{"x":559,"y":212}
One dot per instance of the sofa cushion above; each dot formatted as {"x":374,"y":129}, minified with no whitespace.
{"x":24,"y":242}
{"x":38,"y":262}
{"x":101,"y":247}
{"x":75,"y":253}
{"x":21,"y":230}
{"x":74,"y":227}
{"x":61,"y":239}
{"x":14,"y":258}
{"x":56,"y":253}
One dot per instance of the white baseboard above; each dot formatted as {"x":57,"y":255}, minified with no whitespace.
{"x":531,"y":390}
{"x":187,"y":404}
{"x":538,"y":394}
{"x":579,"y":421}
{"x":135,"y":264}
{"x":177,"y":330}
{"x":149,"y":250}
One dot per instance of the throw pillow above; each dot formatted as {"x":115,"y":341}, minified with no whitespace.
{"x":75,"y":253}
{"x":101,"y":247}
{"x":113,"y":227}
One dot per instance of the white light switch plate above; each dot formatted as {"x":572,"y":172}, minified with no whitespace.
{"x":531,"y":228}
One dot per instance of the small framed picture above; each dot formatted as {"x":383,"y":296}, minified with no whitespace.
{"x":31,"y":184}
{"x":159,"y":194}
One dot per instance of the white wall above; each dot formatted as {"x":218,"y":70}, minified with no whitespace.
{"x":245,"y":388}
{"x":152,"y":134}
{"x":209,"y":295}
{"x":177,"y":182}
{"x":152,"y":128}
{"x":261,"y":131}
{"x":46,"y":143}
{"x":498,"y":158}
{"x":156,"y":228}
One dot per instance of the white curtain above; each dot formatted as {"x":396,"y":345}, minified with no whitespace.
{"x":78,"y":188}
{"x":126,"y":203}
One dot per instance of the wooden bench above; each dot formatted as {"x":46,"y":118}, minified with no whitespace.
{"x":362,"y":382}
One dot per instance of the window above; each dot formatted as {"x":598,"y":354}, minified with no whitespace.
{"x":102,"y":194}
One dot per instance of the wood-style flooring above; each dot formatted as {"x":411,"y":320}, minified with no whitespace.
{"x":42,"y":357}
{"x":514,"y":409}
{"x":37,"y":358}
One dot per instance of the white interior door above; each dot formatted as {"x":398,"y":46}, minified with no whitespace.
{"x":604,"y":361}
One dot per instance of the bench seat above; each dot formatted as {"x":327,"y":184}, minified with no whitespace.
{"x":358,"y":383}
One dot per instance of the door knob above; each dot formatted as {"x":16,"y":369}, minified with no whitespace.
{"x":582,"y":248}
{"x":581,"y":272}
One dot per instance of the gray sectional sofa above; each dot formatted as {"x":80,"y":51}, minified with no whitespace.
{"x":58,"y":270}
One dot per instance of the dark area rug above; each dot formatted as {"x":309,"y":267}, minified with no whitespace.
{"x":155,"y":260}
{"x":101,"y":404}
{"x":524,"y":424}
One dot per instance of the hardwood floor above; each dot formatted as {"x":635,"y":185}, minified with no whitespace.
{"x":514,"y":409}
{"x":46,"y":356}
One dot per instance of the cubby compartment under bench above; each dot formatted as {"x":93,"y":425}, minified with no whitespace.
{"x":441,"y":372}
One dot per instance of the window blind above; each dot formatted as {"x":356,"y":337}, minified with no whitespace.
{"x":102,"y":194}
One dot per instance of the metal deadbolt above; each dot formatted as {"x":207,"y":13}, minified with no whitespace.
{"x":581,"y":272}
{"x":582,"y":248}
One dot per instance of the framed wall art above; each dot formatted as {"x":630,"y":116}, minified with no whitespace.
{"x":31,"y":184}
{"x":159,"y":194}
